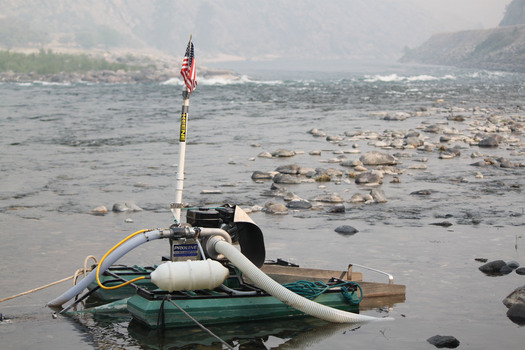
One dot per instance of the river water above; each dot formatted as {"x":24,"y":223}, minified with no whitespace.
{"x":68,"y":148}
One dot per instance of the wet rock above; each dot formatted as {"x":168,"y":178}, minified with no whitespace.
{"x":264,"y":155}
{"x":390,"y":170}
{"x":422,"y":193}
{"x":337,"y":138}
{"x":317,"y":133}
{"x":128,"y":221}
{"x":340,"y":208}
{"x":357,"y":198}
{"x":505,"y":163}
{"x":516,"y":313}
{"x":315,"y":153}
{"x":292,"y":169}
{"x":432,"y":129}
{"x":377,"y":158}
{"x":100,"y":210}
{"x":275,"y":191}
{"x":299,"y":204}
{"x":286,"y":179}
{"x":346,"y":230}
{"x":373,"y":177}
{"x":283,"y":153}
{"x":505,"y":270}
{"x":329,"y":198}
{"x":520,"y":271}
{"x":449,"y":154}
{"x":351,"y":163}
{"x":516,"y":297}
{"x":323,"y":178}
{"x":513,"y":264}
{"x":493,"y":267}
{"x":124,"y":207}
{"x":442,"y":223}
{"x":413,"y":141}
{"x":418,"y":167}
{"x":262,"y":175}
{"x":444,"y":341}
{"x":490,"y":141}
{"x":378,"y":195}
{"x":276,"y":208}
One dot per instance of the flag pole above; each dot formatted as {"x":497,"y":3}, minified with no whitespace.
{"x":179,"y":182}
{"x":189,"y":70}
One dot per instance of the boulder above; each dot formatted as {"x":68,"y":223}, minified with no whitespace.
{"x":493,"y":267}
{"x":516,"y":297}
{"x":283,"y":153}
{"x":516,"y":313}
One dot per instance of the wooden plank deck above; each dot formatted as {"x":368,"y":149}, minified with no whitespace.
{"x":376,"y":294}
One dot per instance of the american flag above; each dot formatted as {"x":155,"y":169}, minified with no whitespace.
{"x":188,"y":68}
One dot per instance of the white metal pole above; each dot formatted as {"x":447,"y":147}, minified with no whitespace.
{"x":177,"y":205}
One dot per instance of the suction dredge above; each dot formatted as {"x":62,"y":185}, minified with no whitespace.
{"x":217,"y":271}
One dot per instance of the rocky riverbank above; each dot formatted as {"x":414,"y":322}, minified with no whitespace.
{"x":142,"y":68}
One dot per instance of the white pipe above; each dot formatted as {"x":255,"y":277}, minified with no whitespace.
{"x":285,"y":295}
{"x":110,"y":260}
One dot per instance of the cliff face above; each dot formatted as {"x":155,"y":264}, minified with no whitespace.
{"x":500,"y":48}
{"x":515,"y":14}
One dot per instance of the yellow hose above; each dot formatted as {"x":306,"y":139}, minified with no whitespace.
{"x":109,"y":252}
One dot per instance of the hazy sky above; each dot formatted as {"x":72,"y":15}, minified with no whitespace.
{"x":487,"y":12}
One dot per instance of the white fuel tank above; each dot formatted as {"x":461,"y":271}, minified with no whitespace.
{"x":189,"y":275}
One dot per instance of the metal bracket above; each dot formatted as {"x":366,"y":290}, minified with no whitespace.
{"x":390,"y":277}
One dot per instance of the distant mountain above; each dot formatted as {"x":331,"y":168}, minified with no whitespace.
{"x":500,"y":48}
{"x":231,"y":29}
{"x":515,"y":14}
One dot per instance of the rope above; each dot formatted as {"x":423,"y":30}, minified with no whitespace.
{"x":312,"y":290}
{"x":197,"y":323}
{"x":78,"y":272}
